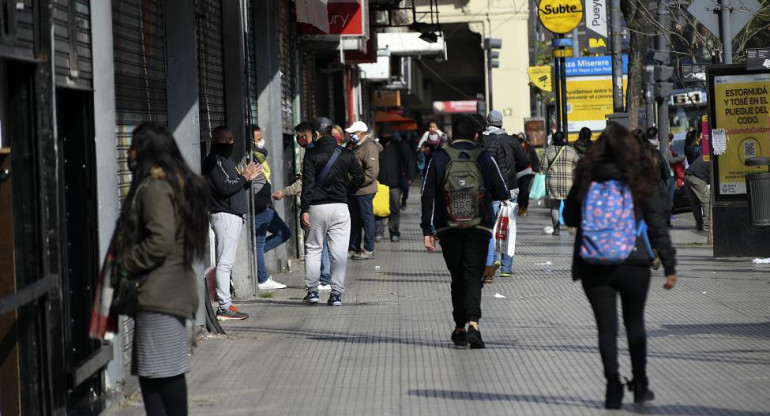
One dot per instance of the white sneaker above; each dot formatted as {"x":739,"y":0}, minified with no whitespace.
{"x":324,"y":288}
{"x":364,"y":255}
{"x":271,"y":284}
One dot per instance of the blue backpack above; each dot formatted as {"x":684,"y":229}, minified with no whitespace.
{"x":609,"y":229}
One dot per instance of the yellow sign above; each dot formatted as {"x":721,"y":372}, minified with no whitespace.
{"x":589,"y":100}
{"x":560,"y":16}
{"x":742,"y":109}
{"x":540,"y":76}
{"x":562,"y":53}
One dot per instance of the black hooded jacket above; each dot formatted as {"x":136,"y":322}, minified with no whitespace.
{"x":345,"y":176}
{"x":227,"y":186}
{"x":652,"y":213}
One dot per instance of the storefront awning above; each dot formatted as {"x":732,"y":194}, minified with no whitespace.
{"x":313,"y":13}
{"x":399,"y":123}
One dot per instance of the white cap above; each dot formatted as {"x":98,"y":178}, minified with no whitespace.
{"x":356,"y":127}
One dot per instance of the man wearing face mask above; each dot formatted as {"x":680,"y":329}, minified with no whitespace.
{"x":395,"y":165}
{"x":367,"y":152}
{"x":228,"y":205}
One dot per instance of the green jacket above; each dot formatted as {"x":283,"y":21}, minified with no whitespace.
{"x":156,"y":253}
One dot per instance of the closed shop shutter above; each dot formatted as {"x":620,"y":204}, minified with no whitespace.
{"x":140,"y":74}
{"x":287,"y":75}
{"x":211,"y":77}
{"x":72,"y":37}
{"x":308,"y":80}
{"x":17,"y":30}
{"x":251,"y":69}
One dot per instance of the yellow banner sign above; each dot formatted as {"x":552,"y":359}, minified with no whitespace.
{"x":742,"y":110}
{"x":560,"y":16}
{"x":589,"y":100}
{"x":540,"y":76}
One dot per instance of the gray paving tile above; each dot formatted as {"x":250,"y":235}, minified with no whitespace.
{"x":387,"y":352}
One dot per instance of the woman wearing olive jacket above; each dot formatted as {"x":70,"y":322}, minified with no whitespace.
{"x":161,"y":229}
{"x":615,"y":157}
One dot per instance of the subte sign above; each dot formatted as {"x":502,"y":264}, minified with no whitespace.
{"x":560,"y":16}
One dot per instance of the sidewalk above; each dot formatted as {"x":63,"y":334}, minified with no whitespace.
{"x":386,"y":351}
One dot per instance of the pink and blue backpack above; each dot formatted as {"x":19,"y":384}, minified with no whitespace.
{"x":609,"y":228}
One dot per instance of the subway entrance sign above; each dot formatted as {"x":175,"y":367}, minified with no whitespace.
{"x":560,"y":16}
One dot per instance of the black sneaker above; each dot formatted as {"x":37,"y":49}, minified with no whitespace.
{"x":460,"y":338}
{"x":474,"y":338}
{"x":334,"y":300}
{"x":231,"y":314}
{"x":311,"y":298}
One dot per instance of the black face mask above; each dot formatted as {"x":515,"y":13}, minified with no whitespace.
{"x":385,"y":140}
{"x":132,"y":166}
{"x":223,"y":149}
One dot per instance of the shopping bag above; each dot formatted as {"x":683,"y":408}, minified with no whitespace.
{"x":510,"y":243}
{"x":381,"y":202}
{"x":500,"y":230}
{"x":538,"y":187}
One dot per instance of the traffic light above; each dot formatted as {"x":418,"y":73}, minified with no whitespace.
{"x":490,"y":44}
{"x":661,"y":74}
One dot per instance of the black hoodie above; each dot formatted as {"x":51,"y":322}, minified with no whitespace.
{"x":652,"y":212}
{"x":345,"y":176}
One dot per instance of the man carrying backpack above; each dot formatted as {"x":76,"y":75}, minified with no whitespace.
{"x":460,"y":185}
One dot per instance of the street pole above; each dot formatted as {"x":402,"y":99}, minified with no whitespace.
{"x":617,"y":58}
{"x":489,"y":81}
{"x":725,"y":8}
{"x":563,"y":69}
{"x":557,"y":92}
{"x":575,"y":43}
{"x":664,"y":18}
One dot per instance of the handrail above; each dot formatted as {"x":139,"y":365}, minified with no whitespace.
{"x":27,"y":294}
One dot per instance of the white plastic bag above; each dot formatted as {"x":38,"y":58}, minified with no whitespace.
{"x":504,"y":231}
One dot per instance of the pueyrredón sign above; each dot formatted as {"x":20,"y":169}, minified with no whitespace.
{"x":560,"y":16}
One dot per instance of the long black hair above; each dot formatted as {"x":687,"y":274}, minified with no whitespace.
{"x":618,"y":146}
{"x":156,"y":148}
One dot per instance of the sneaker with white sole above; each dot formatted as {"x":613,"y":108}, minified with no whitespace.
{"x":270,"y":284}
{"x":311,"y":298}
{"x":334,"y":300}
{"x":364,"y":255}
{"x":324,"y":288}
{"x":231,"y":314}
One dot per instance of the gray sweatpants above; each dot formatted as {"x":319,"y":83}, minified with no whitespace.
{"x":227,"y":228}
{"x":330,"y":221}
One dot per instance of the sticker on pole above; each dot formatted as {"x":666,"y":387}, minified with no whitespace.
{"x":560,"y":16}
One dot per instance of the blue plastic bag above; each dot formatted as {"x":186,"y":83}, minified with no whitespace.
{"x":538,"y":187}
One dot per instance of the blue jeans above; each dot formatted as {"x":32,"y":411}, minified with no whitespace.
{"x":506,"y":259}
{"x":326,"y":264}
{"x":361,"y":215}
{"x":268,"y":220}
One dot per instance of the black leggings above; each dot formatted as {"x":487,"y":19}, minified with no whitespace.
{"x":602,"y":288}
{"x":164,"y":396}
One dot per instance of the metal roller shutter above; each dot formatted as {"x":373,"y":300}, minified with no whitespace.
{"x":211,"y":77}
{"x":287,"y":75}
{"x":140,"y":73}
{"x":308,"y":82}
{"x":17,"y":30}
{"x":72,"y":37}
{"x":251,"y":69}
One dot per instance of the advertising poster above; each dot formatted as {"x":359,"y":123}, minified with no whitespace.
{"x":589,"y":100}
{"x":742,"y":109}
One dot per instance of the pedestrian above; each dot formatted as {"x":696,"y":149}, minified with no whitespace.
{"x":304,"y":139}
{"x":507,"y":152}
{"x":434,"y":135}
{"x":696,"y":183}
{"x":265,"y":219}
{"x":329,"y":174}
{"x":661,"y":172}
{"x":407,"y":147}
{"x":363,"y":226}
{"x":525,"y":177}
{"x":161,"y":231}
{"x":676,"y":163}
{"x":427,"y":148}
{"x":558,"y":164}
{"x":395,"y":165}
{"x":613,"y":163}
{"x":692,"y":148}
{"x":339,"y":135}
{"x":583,"y":142}
{"x":227,"y":206}
{"x":463,"y":229}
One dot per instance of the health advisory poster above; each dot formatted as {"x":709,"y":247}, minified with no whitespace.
{"x":742,"y":107}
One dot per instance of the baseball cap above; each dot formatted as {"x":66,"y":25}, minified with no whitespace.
{"x":322,"y":124}
{"x":495,"y":118}
{"x":357,"y":126}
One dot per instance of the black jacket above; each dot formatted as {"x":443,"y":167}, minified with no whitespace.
{"x":433,"y":197}
{"x":345,"y":177}
{"x":700,"y":169}
{"x":532,"y":154}
{"x":396,"y":162}
{"x":508,"y":154}
{"x":692,"y":152}
{"x":652,"y":212}
{"x":228,"y":187}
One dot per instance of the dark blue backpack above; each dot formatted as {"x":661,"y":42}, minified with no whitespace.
{"x":609,"y":228}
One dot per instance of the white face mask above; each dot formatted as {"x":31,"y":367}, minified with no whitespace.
{"x":261,"y":144}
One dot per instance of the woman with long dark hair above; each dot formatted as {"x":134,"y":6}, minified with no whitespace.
{"x":615,"y":157}
{"x":162,"y":229}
